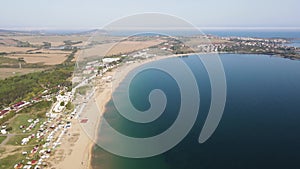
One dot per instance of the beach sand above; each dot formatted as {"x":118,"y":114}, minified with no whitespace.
{"x":76,"y":149}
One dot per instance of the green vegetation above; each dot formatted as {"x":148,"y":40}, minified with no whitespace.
{"x":69,"y":42}
{"x":2,"y":149}
{"x":46,"y":45}
{"x":70,"y":106}
{"x":11,"y":160}
{"x":7,"y":117}
{"x":27,"y":86}
{"x":17,"y":139}
{"x":2,"y":138}
{"x":22,"y":119}
{"x":7,"y":61}
{"x":82,"y":90}
{"x":62,"y":103}
{"x":70,"y":57}
{"x":23,"y":44}
{"x":38,"y":110}
{"x":32,"y":112}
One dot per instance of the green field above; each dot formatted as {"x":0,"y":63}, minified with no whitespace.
{"x":22,"y":119}
{"x":11,"y":160}
{"x":2,"y":138}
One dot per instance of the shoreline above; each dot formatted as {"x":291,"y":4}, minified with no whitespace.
{"x":126,"y":69}
{"x":102,"y":96}
{"x":77,"y":153}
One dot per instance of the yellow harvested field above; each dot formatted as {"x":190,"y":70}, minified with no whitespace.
{"x":46,"y":59}
{"x":9,"y":49}
{"x":130,"y":46}
{"x":9,"y":72}
{"x":97,"y":50}
{"x":116,"y":48}
{"x":7,"y":41}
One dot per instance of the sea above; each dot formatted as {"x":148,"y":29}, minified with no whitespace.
{"x":259,"y":129}
{"x":293,"y":35}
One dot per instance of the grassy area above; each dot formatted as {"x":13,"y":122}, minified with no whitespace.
{"x":2,"y":138}
{"x":38,"y":110}
{"x":16,"y":140}
{"x":82,"y":90}
{"x":11,"y":160}
{"x":22,"y":119}
{"x":70,"y":107}
{"x":33,"y":112}
{"x":2,"y":150}
{"x":17,"y":157}
{"x":8,"y":61}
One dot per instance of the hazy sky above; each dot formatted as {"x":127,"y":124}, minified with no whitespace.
{"x":77,"y":14}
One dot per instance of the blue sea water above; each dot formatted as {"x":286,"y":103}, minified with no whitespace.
{"x":259,"y":129}
{"x":293,"y":35}
{"x":256,"y":33}
{"x":222,"y":33}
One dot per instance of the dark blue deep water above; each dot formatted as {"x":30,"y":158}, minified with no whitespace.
{"x":260,"y":127}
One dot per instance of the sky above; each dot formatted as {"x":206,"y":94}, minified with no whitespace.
{"x":86,"y":14}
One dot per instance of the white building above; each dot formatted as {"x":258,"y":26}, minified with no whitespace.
{"x":109,"y":60}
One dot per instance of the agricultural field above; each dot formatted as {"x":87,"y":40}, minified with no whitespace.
{"x":9,"y":72}
{"x":43,"y":58}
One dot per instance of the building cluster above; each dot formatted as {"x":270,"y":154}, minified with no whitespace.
{"x":48,"y":135}
{"x":142,"y":54}
{"x":99,"y":67}
{"x":256,"y":45}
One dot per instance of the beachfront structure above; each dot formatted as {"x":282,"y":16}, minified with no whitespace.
{"x":62,"y":98}
{"x":109,"y":60}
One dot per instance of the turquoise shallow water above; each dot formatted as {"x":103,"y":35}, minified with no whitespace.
{"x":259,"y":129}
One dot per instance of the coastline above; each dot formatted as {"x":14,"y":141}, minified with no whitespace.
{"x":77,"y":146}
{"x":81,"y":151}
{"x":126,"y":68}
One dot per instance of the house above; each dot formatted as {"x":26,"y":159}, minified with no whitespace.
{"x":20,"y":104}
{"x":3,"y":112}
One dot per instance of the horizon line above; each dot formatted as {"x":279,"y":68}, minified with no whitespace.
{"x":143,"y":28}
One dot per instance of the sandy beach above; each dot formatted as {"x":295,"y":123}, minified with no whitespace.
{"x":76,"y":149}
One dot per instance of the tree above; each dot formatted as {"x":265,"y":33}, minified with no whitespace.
{"x":54,"y":99}
{"x":62,"y":103}
{"x":69,"y":106}
{"x":9,"y":129}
